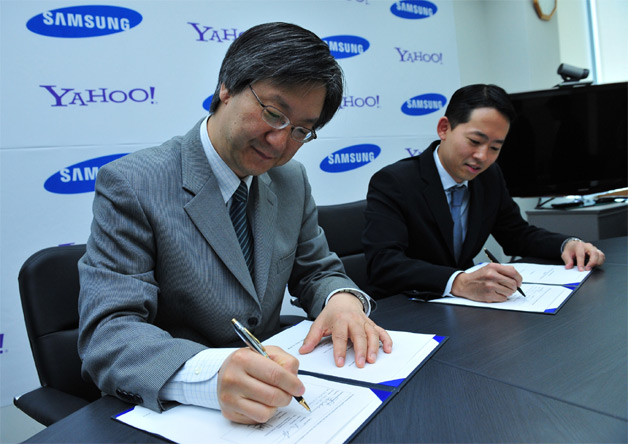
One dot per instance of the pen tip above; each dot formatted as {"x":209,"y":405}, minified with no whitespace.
{"x":304,"y":404}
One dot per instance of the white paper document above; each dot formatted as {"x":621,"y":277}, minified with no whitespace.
{"x":409,"y":350}
{"x":547,"y":287}
{"x":338,"y":407}
{"x":337,"y":411}
{"x":550,"y":274}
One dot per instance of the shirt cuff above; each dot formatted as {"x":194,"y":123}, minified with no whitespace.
{"x":450,"y":283}
{"x":196,"y":382}
{"x":368,"y":303}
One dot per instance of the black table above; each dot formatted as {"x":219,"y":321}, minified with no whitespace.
{"x":502,"y":376}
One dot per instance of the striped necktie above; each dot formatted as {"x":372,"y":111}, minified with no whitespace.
{"x":237,"y":212}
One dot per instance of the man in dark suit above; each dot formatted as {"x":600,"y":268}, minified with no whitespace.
{"x":428,"y":216}
{"x":212,"y":226}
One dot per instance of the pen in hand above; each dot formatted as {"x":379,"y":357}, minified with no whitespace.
{"x":494,"y":260}
{"x":255,"y":345}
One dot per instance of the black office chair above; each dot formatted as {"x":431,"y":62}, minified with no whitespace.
{"x":49,"y":290}
{"x":343,"y":225}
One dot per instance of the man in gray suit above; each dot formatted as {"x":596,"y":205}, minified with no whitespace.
{"x":165,"y":271}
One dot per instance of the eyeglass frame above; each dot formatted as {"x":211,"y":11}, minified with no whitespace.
{"x":265,"y":109}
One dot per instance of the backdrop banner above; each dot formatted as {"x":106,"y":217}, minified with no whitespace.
{"x":85,"y":82}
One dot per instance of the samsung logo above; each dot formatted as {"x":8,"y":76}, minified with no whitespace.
{"x":350,"y":158}
{"x":413,"y":9}
{"x":208,"y":102}
{"x":423,"y":104}
{"x":84,"y":21}
{"x":343,"y":46}
{"x":78,"y":178}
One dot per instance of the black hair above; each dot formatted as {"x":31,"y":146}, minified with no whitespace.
{"x":469,"y":98}
{"x":282,"y":53}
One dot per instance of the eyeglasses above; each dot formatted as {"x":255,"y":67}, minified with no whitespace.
{"x":279,"y":120}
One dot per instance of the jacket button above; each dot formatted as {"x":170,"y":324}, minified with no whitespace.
{"x":252,"y":322}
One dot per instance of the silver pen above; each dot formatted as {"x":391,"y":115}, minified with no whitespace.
{"x":255,"y":345}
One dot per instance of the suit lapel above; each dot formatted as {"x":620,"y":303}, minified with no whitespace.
{"x":207,"y":209}
{"x":434,"y":195}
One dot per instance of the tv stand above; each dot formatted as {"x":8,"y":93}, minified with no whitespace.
{"x":590,"y":223}
{"x":566,"y":202}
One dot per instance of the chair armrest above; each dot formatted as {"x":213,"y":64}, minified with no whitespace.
{"x":48,"y":405}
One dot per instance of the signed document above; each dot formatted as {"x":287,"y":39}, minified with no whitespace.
{"x":547,"y":288}
{"x":341,"y":399}
{"x":338,"y":410}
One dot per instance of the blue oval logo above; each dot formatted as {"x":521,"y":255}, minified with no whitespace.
{"x":350,"y":158}
{"x":343,"y":46}
{"x":84,"y":21}
{"x":208,"y":102}
{"x":413,"y":9}
{"x":78,"y":178}
{"x":424,"y":104}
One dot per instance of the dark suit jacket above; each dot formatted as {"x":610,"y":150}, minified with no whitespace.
{"x":408,"y":238}
{"x":164,"y":273}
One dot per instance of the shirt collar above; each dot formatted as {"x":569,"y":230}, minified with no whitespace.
{"x":445,"y":178}
{"x":228,"y":181}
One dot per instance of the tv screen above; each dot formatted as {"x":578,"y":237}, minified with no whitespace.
{"x":567,"y":141}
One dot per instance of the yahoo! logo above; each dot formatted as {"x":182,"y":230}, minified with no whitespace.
{"x":84,"y":21}
{"x":343,"y":46}
{"x":419,"y":56}
{"x":350,"y":158}
{"x":1,"y":343}
{"x":78,"y":178}
{"x":413,"y":152}
{"x":413,"y":9}
{"x":210,"y":34}
{"x":70,"y":96}
{"x":423,"y":104}
{"x":360,"y":102}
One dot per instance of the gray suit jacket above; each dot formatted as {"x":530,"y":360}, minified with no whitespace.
{"x":164,"y":273}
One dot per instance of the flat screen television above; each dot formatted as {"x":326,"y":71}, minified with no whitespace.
{"x":567,"y":141}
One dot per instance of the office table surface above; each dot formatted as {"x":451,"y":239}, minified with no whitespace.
{"x":577,"y":355}
{"x":502,"y":376}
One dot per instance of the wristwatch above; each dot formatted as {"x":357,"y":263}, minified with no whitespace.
{"x":368,"y":303}
{"x":566,"y":241}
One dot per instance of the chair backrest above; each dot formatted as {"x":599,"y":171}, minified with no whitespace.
{"x":49,"y":290}
{"x":343,"y":225}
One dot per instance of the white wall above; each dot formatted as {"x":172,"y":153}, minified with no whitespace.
{"x":612,"y":39}
{"x":504,"y":42}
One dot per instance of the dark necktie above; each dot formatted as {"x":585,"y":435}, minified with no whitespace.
{"x":457,"y":193}
{"x":241,"y":224}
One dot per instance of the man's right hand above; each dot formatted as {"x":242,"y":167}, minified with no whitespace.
{"x":251,"y":387}
{"x":491,"y":283}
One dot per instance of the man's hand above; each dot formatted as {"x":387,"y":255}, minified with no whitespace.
{"x":576,"y":252}
{"x":491,"y":283}
{"x":251,"y":387}
{"x":344,"y":319}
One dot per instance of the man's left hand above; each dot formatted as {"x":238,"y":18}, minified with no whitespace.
{"x":344,"y":319}
{"x":576,"y":253}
